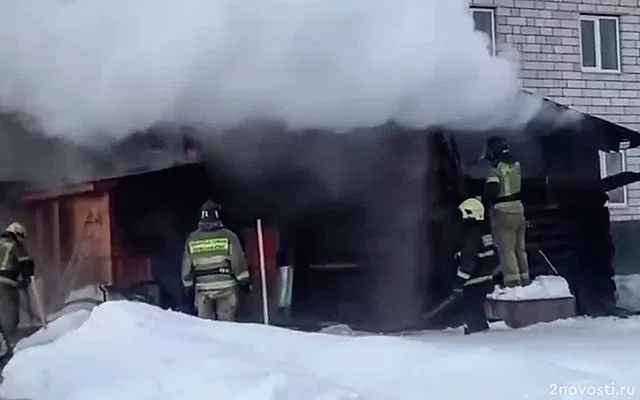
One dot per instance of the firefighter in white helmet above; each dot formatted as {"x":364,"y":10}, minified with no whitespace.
{"x":16,"y":270}
{"x":476,"y":261}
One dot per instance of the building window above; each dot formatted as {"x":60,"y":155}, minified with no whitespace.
{"x":611,"y":164}
{"x":600,"y":43}
{"x":484,"y":21}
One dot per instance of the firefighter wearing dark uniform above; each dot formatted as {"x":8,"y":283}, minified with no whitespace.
{"x":476,"y":262}
{"x":506,"y":212}
{"x":214,"y":267}
{"x":16,"y":270}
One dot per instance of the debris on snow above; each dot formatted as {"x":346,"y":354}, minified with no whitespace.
{"x":542,"y":288}
{"x":89,"y":292}
{"x":85,"y":298}
{"x":340,"y":330}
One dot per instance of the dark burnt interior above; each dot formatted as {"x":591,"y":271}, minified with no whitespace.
{"x":338,"y":222}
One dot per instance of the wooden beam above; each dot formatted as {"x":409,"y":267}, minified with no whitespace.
{"x":105,"y":185}
{"x":56,"y":243}
{"x":54,"y":193}
{"x":40,"y":245}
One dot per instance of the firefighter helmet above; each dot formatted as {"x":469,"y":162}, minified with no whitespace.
{"x":495,"y":147}
{"x":17,"y":229}
{"x":210,"y":210}
{"x":473,"y":209}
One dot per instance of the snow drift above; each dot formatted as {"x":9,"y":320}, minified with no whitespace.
{"x":132,"y":351}
{"x":113,"y":66}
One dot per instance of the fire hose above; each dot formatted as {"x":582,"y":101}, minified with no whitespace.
{"x":440,"y":307}
{"x":38,"y":300}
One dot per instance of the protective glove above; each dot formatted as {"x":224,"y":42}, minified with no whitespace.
{"x":27,"y":268}
{"x":246,"y":288}
{"x":189,"y":294}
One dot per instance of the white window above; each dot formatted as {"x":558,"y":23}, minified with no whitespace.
{"x":611,"y":164}
{"x":600,"y":43}
{"x":484,"y":21}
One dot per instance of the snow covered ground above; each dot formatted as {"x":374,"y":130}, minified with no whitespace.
{"x":135,"y":351}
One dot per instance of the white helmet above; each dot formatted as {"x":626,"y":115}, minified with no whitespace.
{"x":17,"y":229}
{"x":472,"y":209}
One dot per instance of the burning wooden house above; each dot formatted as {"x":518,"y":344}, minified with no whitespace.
{"x":365,"y":217}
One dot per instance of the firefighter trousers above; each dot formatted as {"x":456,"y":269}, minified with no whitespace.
{"x":474,"y":314}
{"x":9,"y":308}
{"x":6,"y":350}
{"x":508,"y":230}
{"x":221,"y":307}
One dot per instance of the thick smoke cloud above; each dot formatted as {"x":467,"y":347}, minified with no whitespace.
{"x":112,"y":66}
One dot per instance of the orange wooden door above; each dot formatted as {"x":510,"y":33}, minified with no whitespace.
{"x":91,"y":235}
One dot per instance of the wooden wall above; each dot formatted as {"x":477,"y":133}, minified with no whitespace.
{"x":70,"y":238}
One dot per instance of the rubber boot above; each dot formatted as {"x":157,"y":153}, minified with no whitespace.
{"x":475,"y":323}
{"x":469,"y":329}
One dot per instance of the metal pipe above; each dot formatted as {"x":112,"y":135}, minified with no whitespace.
{"x":263,"y":274}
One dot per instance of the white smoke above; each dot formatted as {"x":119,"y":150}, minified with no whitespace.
{"x":117,"y":65}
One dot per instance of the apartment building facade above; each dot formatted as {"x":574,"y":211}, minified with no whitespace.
{"x":584,"y":54}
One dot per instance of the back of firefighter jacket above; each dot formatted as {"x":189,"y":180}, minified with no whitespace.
{"x":15,"y":262}
{"x":214,"y":261}
{"x":508,"y":177}
{"x":478,"y":258}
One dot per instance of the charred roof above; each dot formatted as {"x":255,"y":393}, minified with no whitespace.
{"x":166,"y":145}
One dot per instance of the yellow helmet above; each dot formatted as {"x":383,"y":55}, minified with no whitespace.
{"x":472,"y":208}
{"x":17,"y":229}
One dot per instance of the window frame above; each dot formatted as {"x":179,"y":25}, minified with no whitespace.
{"x":603,"y":174}
{"x":493,"y":38}
{"x":595,"y":18}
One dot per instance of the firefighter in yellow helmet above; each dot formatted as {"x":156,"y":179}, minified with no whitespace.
{"x":16,"y":270}
{"x":214,"y":267}
{"x":508,"y":223}
{"x":476,"y":262}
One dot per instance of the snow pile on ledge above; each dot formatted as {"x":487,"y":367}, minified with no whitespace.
{"x":134,"y":351}
{"x":628,"y":289}
{"x":542,"y":287}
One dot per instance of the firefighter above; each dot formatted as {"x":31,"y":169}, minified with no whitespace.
{"x":506,"y":212}
{"x":214,"y":267}
{"x":16,"y":271}
{"x":477,"y":260}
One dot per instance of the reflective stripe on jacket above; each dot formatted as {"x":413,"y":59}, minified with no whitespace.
{"x":509,"y":178}
{"x":477,"y":258}
{"x":214,"y":261}
{"x":13,"y":259}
